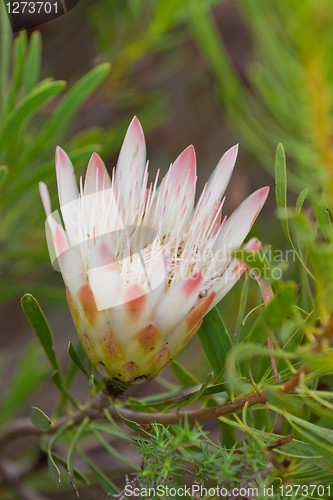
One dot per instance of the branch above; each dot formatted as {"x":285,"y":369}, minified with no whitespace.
{"x":23,"y":427}
{"x":195,"y":415}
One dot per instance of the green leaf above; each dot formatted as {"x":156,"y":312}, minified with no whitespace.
{"x":106,"y":483}
{"x":77,"y":474}
{"x":73,"y":368}
{"x":184,"y":376}
{"x":72,"y":449}
{"x":131,"y":424}
{"x":3,"y":173}
{"x":20,"y":46}
{"x":67,"y":108}
{"x":199,"y":394}
{"x":242,"y":306}
{"x":318,"y":444}
{"x":295,"y":449}
{"x":75,"y":358}
{"x":6,"y":36}
{"x":37,"y":98}
{"x":54,"y":469}
{"x":59,"y":382}
{"x":41,"y":328}
{"x":281,"y":186}
{"x":32,"y":67}
{"x":324,"y":221}
{"x":40,"y":419}
{"x":301,"y":198}
{"x":281,"y":198}
{"x":215,"y":340}
{"x":113,"y":451}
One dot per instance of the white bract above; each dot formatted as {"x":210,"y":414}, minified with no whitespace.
{"x":142,"y":264}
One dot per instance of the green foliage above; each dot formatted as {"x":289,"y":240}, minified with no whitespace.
{"x":40,"y":419}
{"x":288,"y":96}
{"x":40,"y":326}
{"x":36,"y":115}
{"x":215,"y":340}
{"x":26,"y":376}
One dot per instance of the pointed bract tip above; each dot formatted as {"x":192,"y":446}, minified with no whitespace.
{"x":186,"y":159}
{"x":61,"y":158}
{"x":95,"y":156}
{"x":190,"y":151}
{"x":96,"y":162}
{"x":136,"y":126}
{"x":231,"y":154}
{"x":264,"y":192}
{"x":45,"y":197}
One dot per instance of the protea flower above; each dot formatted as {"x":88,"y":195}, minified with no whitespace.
{"x":141,"y":264}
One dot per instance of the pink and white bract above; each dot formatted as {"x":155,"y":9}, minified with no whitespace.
{"x":136,"y":309}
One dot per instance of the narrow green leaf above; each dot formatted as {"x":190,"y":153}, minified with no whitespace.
{"x":251,"y":312}
{"x":324,"y":221}
{"x":73,"y":368}
{"x":281,"y":198}
{"x":40,"y":419}
{"x":242,"y":306}
{"x":3,"y":173}
{"x":215,"y":340}
{"x":113,"y":451}
{"x":77,"y":474}
{"x":36,"y":99}
{"x":184,"y":376}
{"x":296,"y":449}
{"x":72,"y":449}
{"x":199,"y":394}
{"x":32,"y":67}
{"x":106,"y":483}
{"x":6,"y":37}
{"x":54,"y":469}
{"x":75,"y":358}
{"x":301,"y":198}
{"x":41,"y":328}
{"x":281,"y":186}
{"x":20,"y":46}
{"x":113,"y":430}
{"x":67,"y":108}
{"x":58,"y":380}
{"x":318,"y":444}
{"x":131,"y":424}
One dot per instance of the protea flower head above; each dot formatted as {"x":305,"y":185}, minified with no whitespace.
{"x":142,"y":264}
